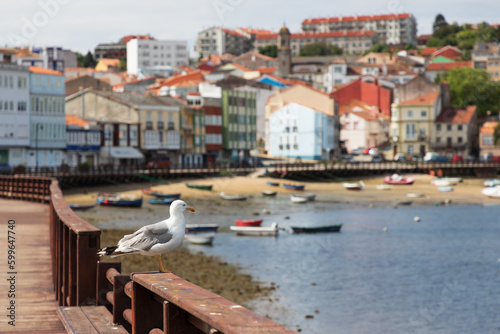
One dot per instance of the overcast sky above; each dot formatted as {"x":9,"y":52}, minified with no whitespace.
{"x":80,"y":25}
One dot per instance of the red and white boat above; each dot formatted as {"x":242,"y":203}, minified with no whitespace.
{"x":397,"y":179}
{"x":248,"y":222}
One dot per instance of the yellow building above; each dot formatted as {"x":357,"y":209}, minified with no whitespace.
{"x":412,"y":124}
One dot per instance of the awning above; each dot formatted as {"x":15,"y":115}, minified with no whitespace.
{"x":121,"y":152}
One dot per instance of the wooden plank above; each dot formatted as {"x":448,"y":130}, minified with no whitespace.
{"x":75,"y":321}
{"x":102,"y":320}
{"x":103,"y":285}
{"x":146,"y":312}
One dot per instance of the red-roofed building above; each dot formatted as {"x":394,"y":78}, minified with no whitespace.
{"x":450,"y":52}
{"x":83,"y":142}
{"x":367,"y":92}
{"x":178,"y":85}
{"x":428,"y":51}
{"x":487,"y":139}
{"x":253,"y":60}
{"x":423,"y":39}
{"x":434,"y":70}
{"x":384,"y":26}
{"x":218,"y":41}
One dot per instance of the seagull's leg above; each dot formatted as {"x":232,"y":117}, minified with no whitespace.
{"x":163,"y":270}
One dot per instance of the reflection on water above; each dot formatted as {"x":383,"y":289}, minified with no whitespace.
{"x":440,"y":275}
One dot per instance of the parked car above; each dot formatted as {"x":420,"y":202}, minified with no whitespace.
{"x":489,"y":158}
{"x":159,"y":162}
{"x":457,"y":158}
{"x":401,"y":157}
{"x":378,"y":158}
{"x":5,"y":168}
{"x":435,"y":157}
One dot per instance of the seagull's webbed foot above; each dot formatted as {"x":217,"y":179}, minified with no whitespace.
{"x":162,"y":270}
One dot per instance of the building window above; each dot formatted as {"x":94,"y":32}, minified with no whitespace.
{"x":410,"y":113}
{"x":488,"y":140}
{"x":410,"y":150}
{"x":459,"y":140}
{"x":438,"y":139}
{"x":448,"y":127}
{"x":459,"y":127}
{"x":411,"y":131}
{"x":423,"y":113}
{"x":438,"y":127}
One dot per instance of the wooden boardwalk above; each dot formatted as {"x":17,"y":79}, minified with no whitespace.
{"x":34,"y":296}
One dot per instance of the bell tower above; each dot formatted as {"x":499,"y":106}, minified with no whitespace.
{"x":284,"y":52}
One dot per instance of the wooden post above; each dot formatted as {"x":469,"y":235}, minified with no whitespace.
{"x":146,"y":313}
{"x":86,"y":269}
{"x":103,"y":285}
{"x":121,"y":301}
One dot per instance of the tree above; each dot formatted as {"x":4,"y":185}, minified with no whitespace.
{"x":378,"y":47}
{"x":496,"y":135}
{"x":439,"y":22}
{"x":123,"y":64}
{"x":320,"y":49}
{"x":85,"y":61}
{"x":434,"y":41}
{"x":269,"y":50}
{"x":471,"y":86}
{"x":486,"y":33}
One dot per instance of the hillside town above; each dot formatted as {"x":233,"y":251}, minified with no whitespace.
{"x":372,"y":83}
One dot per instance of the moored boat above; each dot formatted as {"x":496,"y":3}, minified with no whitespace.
{"x":397,"y":179}
{"x":201,"y":228}
{"x":199,"y":186}
{"x":119,"y":200}
{"x":443,"y":182}
{"x":81,"y":206}
{"x":308,"y":196}
{"x":403,"y":202}
{"x":445,"y":188}
{"x":232,"y":197}
{"x":298,"y":200}
{"x":262,"y":231}
{"x":383,"y":187}
{"x":164,"y":201}
{"x":163,"y":195}
{"x":200,"y":238}
{"x":317,"y":229}
{"x":248,"y":222}
{"x":273,"y":184}
{"x":354,"y":185}
{"x":415,"y":195}
{"x":294,"y":186}
{"x":269,"y":193}
{"x":491,"y":183}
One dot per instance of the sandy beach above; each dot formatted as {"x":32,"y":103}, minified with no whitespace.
{"x":466,"y":192}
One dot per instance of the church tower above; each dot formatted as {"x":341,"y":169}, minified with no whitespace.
{"x":284,"y":53}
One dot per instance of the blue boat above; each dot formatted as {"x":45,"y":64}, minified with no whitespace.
{"x":162,"y":195}
{"x":293,"y":187}
{"x":81,"y":207}
{"x":274,"y":184}
{"x":119,"y":200}
{"x":164,"y":201}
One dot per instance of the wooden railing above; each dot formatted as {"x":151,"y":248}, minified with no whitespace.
{"x":142,"y":302}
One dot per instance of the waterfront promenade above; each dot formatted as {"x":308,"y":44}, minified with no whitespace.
{"x":34,"y":300}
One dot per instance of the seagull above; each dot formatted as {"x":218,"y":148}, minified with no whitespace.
{"x":154,"y":239}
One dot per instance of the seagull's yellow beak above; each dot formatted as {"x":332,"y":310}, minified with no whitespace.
{"x":191,"y":209}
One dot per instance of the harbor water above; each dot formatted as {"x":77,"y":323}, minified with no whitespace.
{"x":384,"y":273}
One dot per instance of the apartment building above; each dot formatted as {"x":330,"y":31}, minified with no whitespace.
{"x":391,"y":29}
{"x":218,"y":41}
{"x":152,"y":57}
{"x":14,"y":112}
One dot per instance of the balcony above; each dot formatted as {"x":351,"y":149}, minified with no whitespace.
{"x":149,"y":125}
{"x":160,"y":125}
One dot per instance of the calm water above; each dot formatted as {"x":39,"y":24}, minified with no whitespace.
{"x":440,"y":275}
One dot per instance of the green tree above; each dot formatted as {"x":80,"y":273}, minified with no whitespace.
{"x":434,"y":41}
{"x":379,"y":47}
{"x":439,"y":22}
{"x":466,"y":39}
{"x":410,"y":47}
{"x":85,"y":61}
{"x":496,"y":135}
{"x":471,"y":86}
{"x":123,"y":64}
{"x":486,"y":33}
{"x":319,"y":49}
{"x":269,"y":50}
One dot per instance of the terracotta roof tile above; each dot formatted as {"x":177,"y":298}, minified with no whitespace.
{"x":426,"y":99}
{"x":41,"y":70}
{"x":75,"y":120}
{"x":488,"y":127}
{"x":456,"y":115}
{"x":354,"y":33}
{"x":448,"y":66}
{"x":367,"y":18}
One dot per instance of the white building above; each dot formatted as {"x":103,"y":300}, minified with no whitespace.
{"x":218,"y":41}
{"x":14,"y":113}
{"x":146,"y":57}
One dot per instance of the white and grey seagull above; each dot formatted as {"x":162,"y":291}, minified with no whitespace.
{"x":154,"y":239}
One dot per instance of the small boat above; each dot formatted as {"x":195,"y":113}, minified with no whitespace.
{"x":199,"y":186}
{"x":248,"y":222}
{"x":81,"y":207}
{"x":200,"y":238}
{"x":147,"y":191}
{"x":308,"y":196}
{"x":383,"y":187}
{"x":415,"y":195}
{"x":293,"y":187}
{"x":445,"y":188}
{"x":491,"y":183}
{"x":268,"y":231}
{"x":317,"y":229}
{"x":492,"y":192}
{"x":190,"y":228}
{"x":232,"y":197}
{"x":273,"y":184}
{"x":443,"y":182}
{"x":298,"y":200}
{"x":269,"y":193}
{"x":119,"y":200}
{"x":164,"y":201}
{"x":404,"y":202}
{"x":354,"y":185}
{"x":163,"y":195}
{"x":454,"y":180}
{"x":397,"y":179}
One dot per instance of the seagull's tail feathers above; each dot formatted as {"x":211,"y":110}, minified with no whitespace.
{"x":114,"y":251}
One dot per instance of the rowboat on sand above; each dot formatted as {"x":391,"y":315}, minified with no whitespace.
{"x":199,"y":186}
{"x":317,"y":229}
{"x":260,"y":231}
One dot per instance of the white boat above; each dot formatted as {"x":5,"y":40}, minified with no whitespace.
{"x":232,"y":197}
{"x":493,"y":192}
{"x":383,"y":187}
{"x":414,"y":195}
{"x":491,"y":183}
{"x":308,"y":196}
{"x":354,"y":185}
{"x":200,"y":238}
{"x":298,"y":200}
{"x":443,"y":182}
{"x":259,"y":231}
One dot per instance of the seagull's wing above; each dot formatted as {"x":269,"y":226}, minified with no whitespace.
{"x":146,"y":237}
